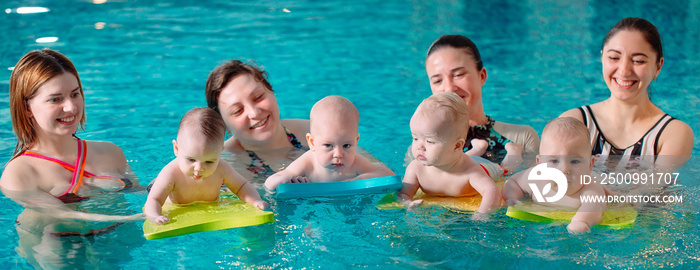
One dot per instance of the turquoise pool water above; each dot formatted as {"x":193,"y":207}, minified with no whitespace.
{"x":143,"y":64}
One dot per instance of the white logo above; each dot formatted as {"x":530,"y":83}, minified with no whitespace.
{"x":543,"y":173}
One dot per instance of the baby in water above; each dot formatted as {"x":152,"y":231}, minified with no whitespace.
{"x":332,"y":144}
{"x":440,"y":167}
{"x":565,"y":146}
{"x":197,"y":173}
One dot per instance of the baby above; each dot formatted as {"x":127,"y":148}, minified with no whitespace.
{"x":566,"y":146}
{"x":332,"y":143}
{"x":196,"y":174}
{"x":440,"y":167}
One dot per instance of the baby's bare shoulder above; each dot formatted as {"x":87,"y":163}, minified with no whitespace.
{"x":593,"y":189}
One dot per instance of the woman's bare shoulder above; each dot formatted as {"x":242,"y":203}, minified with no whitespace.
{"x":298,"y":127}
{"x":676,"y":139}
{"x":104,"y":148}
{"x":573,"y":113}
{"x":105,"y":155}
{"x":19,"y":174}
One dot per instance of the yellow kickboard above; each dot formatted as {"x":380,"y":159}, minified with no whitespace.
{"x":460,"y":204}
{"x":616,"y":216}
{"x":226,"y":213}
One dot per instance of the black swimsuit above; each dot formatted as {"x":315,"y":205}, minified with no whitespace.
{"x":497,"y":143}
{"x":257,"y":165}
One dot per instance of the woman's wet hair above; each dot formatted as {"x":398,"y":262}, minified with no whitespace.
{"x":648,"y":30}
{"x":224,"y":73}
{"x":32,"y":71}
{"x":457,"y":42}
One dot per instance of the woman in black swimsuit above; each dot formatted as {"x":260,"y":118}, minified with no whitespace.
{"x":627,"y":124}
{"x":244,"y":98}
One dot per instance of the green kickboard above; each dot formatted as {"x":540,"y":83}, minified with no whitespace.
{"x":226,"y":213}
{"x":616,"y":216}
{"x":459,"y":204}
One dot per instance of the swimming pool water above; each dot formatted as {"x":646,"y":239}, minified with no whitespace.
{"x":143,"y":64}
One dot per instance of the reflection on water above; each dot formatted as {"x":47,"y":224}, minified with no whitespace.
{"x":147,"y":66}
{"x":106,"y":248}
{"x":51,"y":243}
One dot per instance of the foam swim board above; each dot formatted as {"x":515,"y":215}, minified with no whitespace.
{"x":460,"y":204}
{"x":616,"y":216}
{"x":226,"y":213}
{"x":385,"y":184}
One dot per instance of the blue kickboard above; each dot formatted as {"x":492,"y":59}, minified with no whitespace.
{"x":385,"y":184}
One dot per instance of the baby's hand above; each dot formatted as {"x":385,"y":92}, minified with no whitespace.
{"x":609,"y":192}
{"x":411,"y":206}
{"x":299,"y":179}
{"x":260,"y":204}
{"x":415,"y":203}
{"x":578,"y":227}
{"x":512,"y":202}
{"x":479,"y":147}
{"x":159,"y":220}
{"x":480,"y":216}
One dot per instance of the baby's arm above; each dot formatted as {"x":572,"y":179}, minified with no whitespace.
{"x":512,"y":191}
{"x":163,"y":185}
{"x":366,"y":169}
{"x":490,"y":195}
{"x":296,"y":172}
{"x":241,"y":187}
{"x":410,"y":186}
{"x":590,"y":213}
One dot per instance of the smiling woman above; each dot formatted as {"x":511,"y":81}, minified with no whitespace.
{"x":628,"y":124}
{"x":244,"y":98}
{"x":453,"y":64}
{"x":55,"y":176}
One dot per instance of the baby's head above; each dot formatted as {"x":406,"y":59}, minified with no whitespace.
{"x":439,"y":128}
{"x":200,"y":140}
{"x":333,"y":135}
{"x":566,"y":145}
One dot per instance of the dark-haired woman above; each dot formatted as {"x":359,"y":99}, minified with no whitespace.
{"x":453,"y":64}
{"x":242,"y":95}
{"x":627,"y":125}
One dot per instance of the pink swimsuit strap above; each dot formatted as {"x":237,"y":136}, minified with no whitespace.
{"x":78,"y":170}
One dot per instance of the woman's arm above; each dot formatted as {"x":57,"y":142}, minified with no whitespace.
{"x":112,"y":158}
{"x":675,"y":146}
{"x":20,"y":183}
